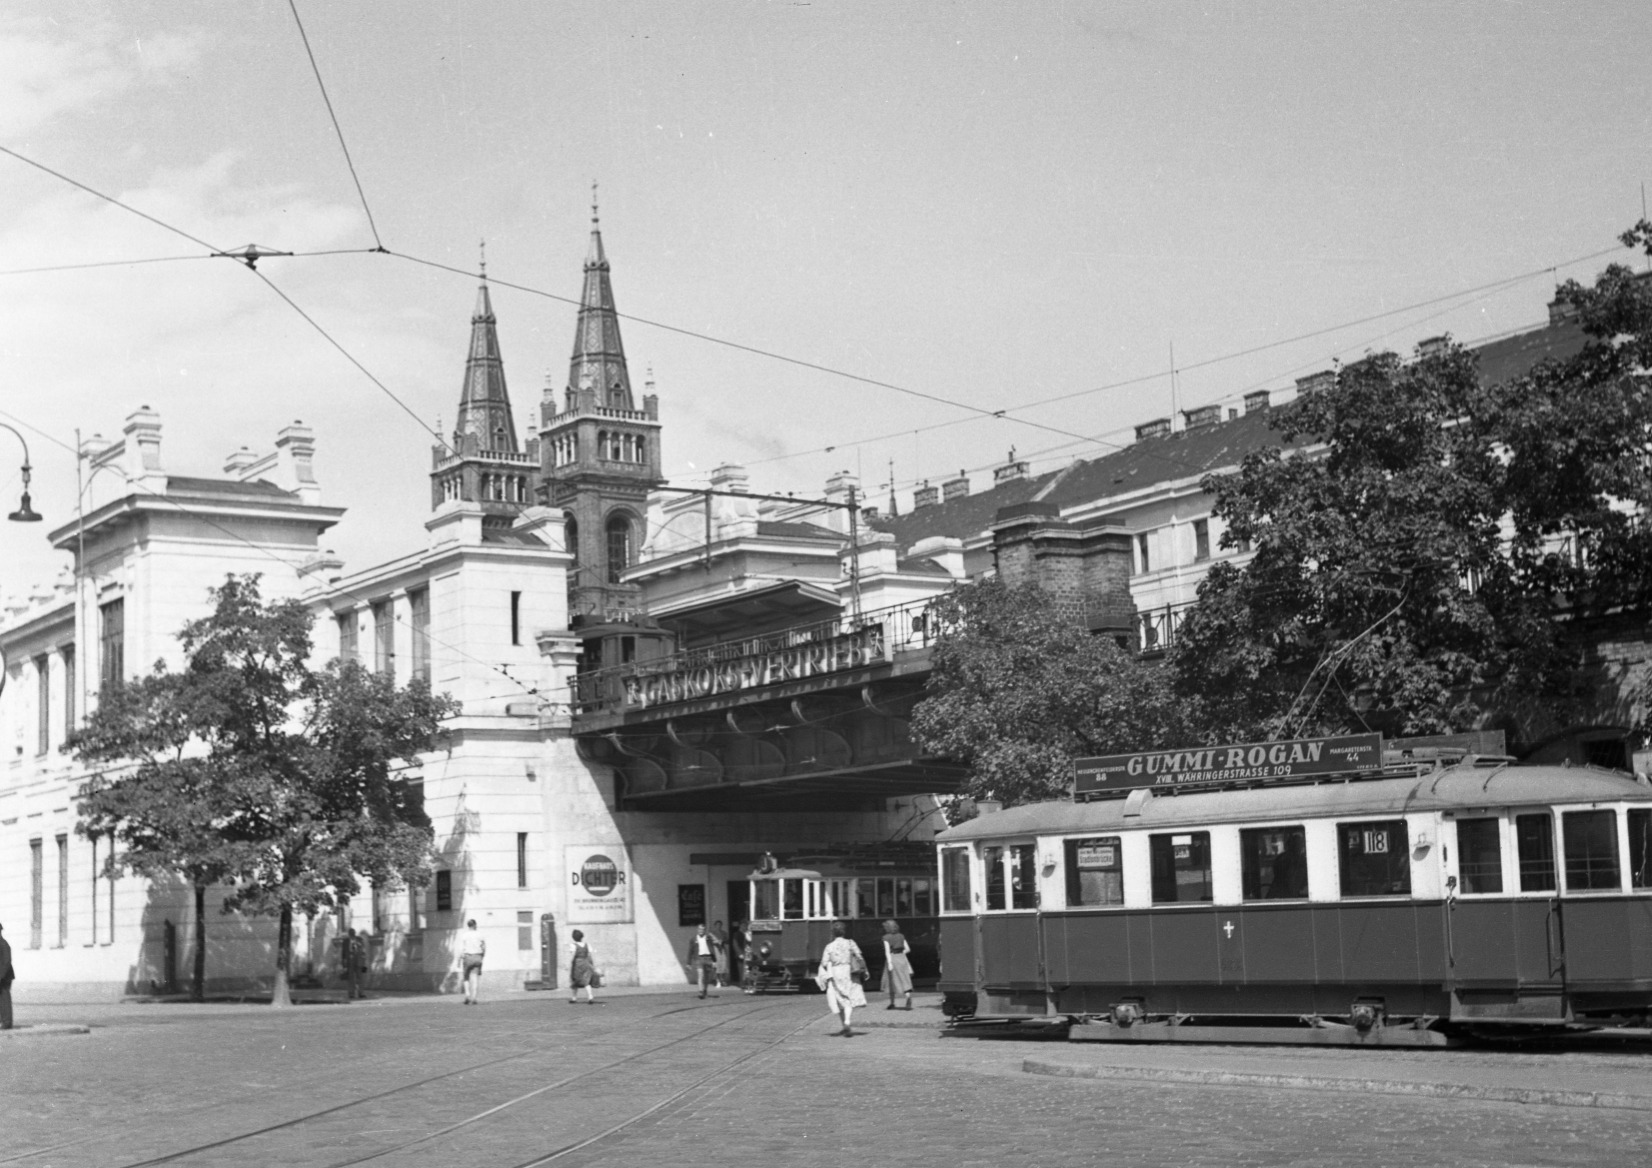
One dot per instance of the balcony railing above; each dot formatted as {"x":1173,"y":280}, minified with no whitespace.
{"x":1158,"y":628}
{"x":821,"y":647}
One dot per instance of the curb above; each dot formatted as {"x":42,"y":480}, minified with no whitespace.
{"x":1601,"y":1099}
{"x":44,"y":1030}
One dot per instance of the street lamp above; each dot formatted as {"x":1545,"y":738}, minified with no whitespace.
{"x":24,"y":512}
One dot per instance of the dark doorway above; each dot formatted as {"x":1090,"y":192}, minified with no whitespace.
{"x":739,"y":909}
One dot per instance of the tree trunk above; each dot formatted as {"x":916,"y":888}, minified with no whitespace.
{"x":197,"y":992}
{"x":283,"y":957}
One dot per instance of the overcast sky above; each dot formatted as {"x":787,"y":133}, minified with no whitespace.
{"x":992,"y":203}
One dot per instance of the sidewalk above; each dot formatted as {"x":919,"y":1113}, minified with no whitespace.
{"x":1619,"y":1081}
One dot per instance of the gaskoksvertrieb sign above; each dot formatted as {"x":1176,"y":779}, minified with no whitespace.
{"x":1236,"y":764}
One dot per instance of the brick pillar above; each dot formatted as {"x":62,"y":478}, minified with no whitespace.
{"x":1086,"y":571}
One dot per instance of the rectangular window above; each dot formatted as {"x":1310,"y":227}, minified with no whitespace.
{"x":111,"y":644}
{"x":903,"y":897}
{"x":516,"y":618}
{"x":524,"y":931}
{"x":444,"y":891}
{"x":348,"y":648}
{"x":1201,"y":540}
{"x":1640,"y":849}
{"x":415,"y":910}
{"x":1181,"y":867}
{"x":37,"y":892}
{"x":886,"y":898}
{"x":521,"y":859}
{"x":384,"y":638}
{"x":69,"y":683}
{"x":766,"y":900}
{"x":866,"y":895}
{"x":43,"y":704}
{"x":62,"y":891}
{"x":955,"y":880}
{"x":923,"y":897}
{"x":418,"y":604}
{"x":791,"y":899}
{"x":1480,"y":855}
{"x":1023,"y":865}
{"x":1374,"y":858}
{"x":1274,"y":863}
{"x":1534,"y":841}
{"x":1591,"y":839}
{"x":992,"y":860}
{"x":1141,"y":548}
{"x":1095,"y":871}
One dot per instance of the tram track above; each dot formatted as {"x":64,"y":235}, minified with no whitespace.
{"x":405,"y":1088}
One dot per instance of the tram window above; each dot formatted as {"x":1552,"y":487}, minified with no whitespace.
{"x":1640,"y":849}
{"x":923,"y":897}
{"x":886,"y":897}
{"x":1095,"y":871}
{"x":1023,"y":860}
{"x":1181,"y":867}
{"x":1274,"y":863}
{"x":1591,"y":839}
{"x":903,"y":896}
{"x":1534,"y":840}
{"x":765,"y":900}
{"x":992,"y":859}
{"x":866,"y":893}
{"x":793,"y":899}
{"x":1480,"y":855}
{"x":955,"y":880}
{"x":1375,"y":858}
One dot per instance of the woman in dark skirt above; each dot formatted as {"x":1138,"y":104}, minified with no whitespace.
{"x":582,"y":973}
{"x":897,"y":969}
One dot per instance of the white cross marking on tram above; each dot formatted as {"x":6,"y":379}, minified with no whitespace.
{"x":1228,"y":928}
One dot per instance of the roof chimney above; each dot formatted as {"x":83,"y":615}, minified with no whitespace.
{"x":1256,"y":401}
{"x":925,"y":496}
{"x":1157,"y":428}
{"x":955,"y":488}
{"x":1560,"y":312}
{"x":1010,"y":471}
{"x":1314,"y":382}
{"x":1433,"y":346}
{"x":1203,"y":416}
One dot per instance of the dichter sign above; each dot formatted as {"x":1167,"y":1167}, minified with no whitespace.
{"x":599,"y":889}
{"x":1244,"y":763}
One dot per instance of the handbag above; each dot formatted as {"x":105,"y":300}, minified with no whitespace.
{"x":596,"y":979}
{"x":857,"y":964}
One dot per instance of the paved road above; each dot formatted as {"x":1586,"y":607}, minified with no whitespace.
{"x":734,"y":1080}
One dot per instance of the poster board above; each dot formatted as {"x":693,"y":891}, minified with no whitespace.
{"x":691,"y":905}
{"x":599,"y":884}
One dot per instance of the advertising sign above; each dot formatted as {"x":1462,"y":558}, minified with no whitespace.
{"x":1246,"y":763}
{"x":851,"y":650}
{"x":599,"y":884}
{"x":691,"y":904}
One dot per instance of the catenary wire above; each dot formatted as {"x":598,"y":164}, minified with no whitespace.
{"x":108,"y":198}
{"x":168,"y":259}
{"x":337,"y":129}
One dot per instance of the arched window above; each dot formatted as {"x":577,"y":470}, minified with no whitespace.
{"x":602,"y":444}
{"x":642,"y":449}
{"x":619,"y":547}
{"x":570,"y":535}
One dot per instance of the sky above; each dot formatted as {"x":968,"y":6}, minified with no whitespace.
{"x":992,"y":204}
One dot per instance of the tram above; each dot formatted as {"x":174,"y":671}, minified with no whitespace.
{"x":1401,"y":905}
{"x":793,"y":910}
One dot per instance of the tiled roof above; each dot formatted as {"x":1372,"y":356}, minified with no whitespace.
{"x":962,"y":517}
{"x":185,"y":485}
{"x":1510,"y":357}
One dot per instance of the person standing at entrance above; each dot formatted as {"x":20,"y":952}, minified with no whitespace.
{"x":737,"y":953}
{"x":6,"y":975}
{"x":701,"y":958}
{"x":472,"y":948}
{"x":353,"y":962}
{"x":842,"y":965}
{"x":720,"y":937}
{"x":897,"y":969}
{"x":582,"y":972}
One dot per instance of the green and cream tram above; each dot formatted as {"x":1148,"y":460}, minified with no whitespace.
{"x":793,"y":910}
{"x":1476,"y":897}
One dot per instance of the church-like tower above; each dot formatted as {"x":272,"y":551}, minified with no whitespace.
{"x":484,"y":465}
{"x":600,"y":455}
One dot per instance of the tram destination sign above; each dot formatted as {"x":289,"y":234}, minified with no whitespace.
{"x":1234,"y":765}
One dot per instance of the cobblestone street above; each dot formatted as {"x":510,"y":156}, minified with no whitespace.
{"x":667,"y":1079}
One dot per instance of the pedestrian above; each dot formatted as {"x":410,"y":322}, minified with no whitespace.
{"x":701,"y":958}
{"x":6,"y":975}
{"x":582,"y":973}
{"x":472,"y":948}
{"x":737,"y":954}
{"x":354,"y":962}
{"x":897,"y":969}
{"x":720,"y":936}
{"x":842,"y":966}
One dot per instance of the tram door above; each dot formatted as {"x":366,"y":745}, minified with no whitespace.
{"x":739,"y":901}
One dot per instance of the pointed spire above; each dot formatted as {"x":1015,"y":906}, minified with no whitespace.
{"x":598,"y":361}
{"x":484,"y":420}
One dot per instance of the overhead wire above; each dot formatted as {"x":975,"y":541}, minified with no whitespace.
{"x":161,"y":223}
{"x":337,"y":129}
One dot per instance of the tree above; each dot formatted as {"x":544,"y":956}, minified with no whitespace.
{"x":1017,"y":692}
{"x":247,"y":765}
{"x":1431,"y":556}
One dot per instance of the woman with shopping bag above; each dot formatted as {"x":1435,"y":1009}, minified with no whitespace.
{"x":842,"y":969}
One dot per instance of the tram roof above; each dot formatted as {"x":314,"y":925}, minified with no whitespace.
{"x":785,"y":874}
{"x":1466,"y":786}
